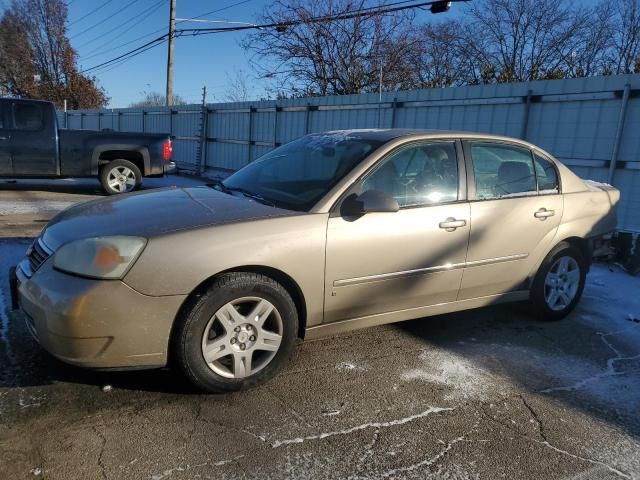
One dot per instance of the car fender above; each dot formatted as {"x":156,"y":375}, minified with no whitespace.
{"x":177,"y":263}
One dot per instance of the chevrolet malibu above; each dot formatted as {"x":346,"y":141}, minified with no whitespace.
{"x":326,"y":234}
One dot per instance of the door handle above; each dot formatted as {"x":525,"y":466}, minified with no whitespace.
{"x":4,"y":138}
{"x":543,"y":213}
{"x":450,"y":224}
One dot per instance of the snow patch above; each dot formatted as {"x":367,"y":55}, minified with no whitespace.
{"x":464,"y":377}
{"x":32,"y":206}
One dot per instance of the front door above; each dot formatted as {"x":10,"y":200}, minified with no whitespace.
{"x":516,"y":208}
{"x":34,"y":142}
{"x":384,"y":262}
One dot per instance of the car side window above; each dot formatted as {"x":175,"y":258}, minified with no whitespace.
{"x":28,"y":116}
{"x":547,"y":176}
{"x":421,"y":174}
{"x":502,"y":170}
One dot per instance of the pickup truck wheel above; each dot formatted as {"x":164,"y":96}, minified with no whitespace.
{"x":238,"y":334}
{"x":559,"y":283}
{"x":120,"y":176}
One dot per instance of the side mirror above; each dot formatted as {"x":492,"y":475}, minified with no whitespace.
{"x":368,"y":202}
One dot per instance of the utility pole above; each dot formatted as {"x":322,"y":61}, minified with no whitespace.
{"x":204,"y":95}
{"x":172,"y":31}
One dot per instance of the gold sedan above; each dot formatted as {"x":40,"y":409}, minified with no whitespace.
{"x":329,"y":233}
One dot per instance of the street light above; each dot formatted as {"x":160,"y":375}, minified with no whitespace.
{"x":440,"y":7}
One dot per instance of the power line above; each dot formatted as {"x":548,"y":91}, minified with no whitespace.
{"x":91,"y":12}
{"x":115,"y":64}
{"x":153,"y":43}
{"x":222,"y":9}
{"x":140,"y":17}
{"x":365,"y":12}
{"x":101,"y":22}
{"x":92,"y":55}
{"x":370,"y":11}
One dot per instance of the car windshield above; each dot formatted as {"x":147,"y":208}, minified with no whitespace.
{"x":296,"y":175}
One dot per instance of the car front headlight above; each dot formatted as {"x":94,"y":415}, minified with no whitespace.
{"x":100,"y":257}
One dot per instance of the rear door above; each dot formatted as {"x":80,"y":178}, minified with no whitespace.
{"x":516,"y":207}
{"x":34,"y":139}
{"x":5,"y":152}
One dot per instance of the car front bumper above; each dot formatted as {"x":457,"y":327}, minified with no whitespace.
{"x":94,"y":323}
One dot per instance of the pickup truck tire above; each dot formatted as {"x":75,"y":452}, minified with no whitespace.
{"x":120,"y":176}
{"x":558,"y":285}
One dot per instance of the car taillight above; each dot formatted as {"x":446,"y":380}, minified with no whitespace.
{"x":167,"y":150}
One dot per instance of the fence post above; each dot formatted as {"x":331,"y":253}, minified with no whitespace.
{"x":81,"y":120}
{"x":619,"y":130}
{"x":525,"y":116}
{"x":250,"y":141}
{"x":394,"y":105}
{"x":204,"y":144}
{"x":144,"y":113}
{"x":307,"y":118}
{"x":275,"y":125}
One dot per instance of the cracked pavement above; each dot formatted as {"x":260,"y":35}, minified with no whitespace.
{"x":480,"y":394}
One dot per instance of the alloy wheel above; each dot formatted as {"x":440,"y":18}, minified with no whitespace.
{"x":121,"y":179}
{"x":562,"y":283}
{"x":242,"y":337}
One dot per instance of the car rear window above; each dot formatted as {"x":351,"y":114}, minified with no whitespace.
{"x":502,"y":170}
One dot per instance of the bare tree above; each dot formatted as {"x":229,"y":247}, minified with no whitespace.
{"x":588,"y":54}
{"x":37,"y":58}
{"x":238,"y":89}
{"x":523,"y":40}
{"x":332,"y":57}
{"x":493,"y":41}
{"x":156,"y":99}
{"x":444,"y":58}
{"x":626,"y":37}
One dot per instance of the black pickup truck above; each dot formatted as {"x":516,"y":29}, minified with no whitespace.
{"x":32,"y":146}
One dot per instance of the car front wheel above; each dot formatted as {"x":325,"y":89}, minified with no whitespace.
{"x":559,"y":283}
{"x":239,"y":334}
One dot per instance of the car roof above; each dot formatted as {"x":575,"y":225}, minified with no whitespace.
{"x":388,"y":134}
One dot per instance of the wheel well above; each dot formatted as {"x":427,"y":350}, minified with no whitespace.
{"x":130,"y":155}
{"x":282,"y":278}
{"x":582,"y":245}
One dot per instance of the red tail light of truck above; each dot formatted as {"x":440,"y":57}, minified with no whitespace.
{"x":167,"y":150}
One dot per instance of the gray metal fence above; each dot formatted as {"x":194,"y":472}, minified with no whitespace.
{"x":591,"y":124}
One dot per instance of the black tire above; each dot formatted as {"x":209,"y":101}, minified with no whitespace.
{"x":188,"y":333}
{"x":537,"y":295}
{"x":114,"y":164}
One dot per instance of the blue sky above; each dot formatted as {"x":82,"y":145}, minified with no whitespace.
{"x":198,"y":61}
{"x":205,"y":60}
{"x":103,"y":29}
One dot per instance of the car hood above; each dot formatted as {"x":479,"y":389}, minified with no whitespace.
{"x":149,"y":214}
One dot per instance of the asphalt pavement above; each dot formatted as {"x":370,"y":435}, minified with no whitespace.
{"x":486,"y":394}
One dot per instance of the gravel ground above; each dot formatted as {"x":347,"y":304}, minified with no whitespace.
{"x":481,"y":394}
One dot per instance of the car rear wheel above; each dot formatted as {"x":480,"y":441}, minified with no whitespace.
{"x":120,"y":176}
{"x":239,"y":334}
{"x":559,"y":283}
